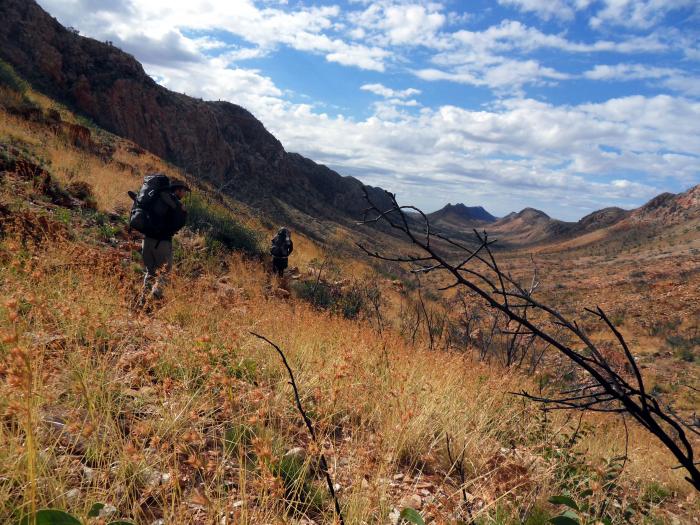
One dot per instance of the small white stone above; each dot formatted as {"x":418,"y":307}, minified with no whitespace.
{"x":296,"y":452}
{"x":107,"y":511}
{"x":72,"y":494}
{"x":88,"y":473}
{"x":394,"y":516}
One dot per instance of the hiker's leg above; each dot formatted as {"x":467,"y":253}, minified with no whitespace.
{"x":283,"y":266}
{"x":149,"y":262}
{"x":163,"y":255}
{"x":278,"y":266}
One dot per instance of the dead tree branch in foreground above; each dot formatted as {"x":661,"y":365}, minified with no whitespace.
{"x":607,"y":387}
{"x":309,"y":426}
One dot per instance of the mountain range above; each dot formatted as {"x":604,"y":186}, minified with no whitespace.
{"x":531,"y":226}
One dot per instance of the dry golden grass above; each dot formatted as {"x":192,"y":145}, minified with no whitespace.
{"x":121,"y":401}
{"x":182,"y":415}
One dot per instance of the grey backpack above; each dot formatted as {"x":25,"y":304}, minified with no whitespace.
{"x":142,"y":218}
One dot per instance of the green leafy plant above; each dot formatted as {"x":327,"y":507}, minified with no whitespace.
{"x":60,"y":517}
{"x":412,"y":516}
{"x":571,"y":516}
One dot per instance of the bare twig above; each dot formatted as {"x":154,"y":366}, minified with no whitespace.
{"x":611,"y":389}
{"x":309,"y":426}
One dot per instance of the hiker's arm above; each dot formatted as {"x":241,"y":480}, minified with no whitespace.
{"x":179,"y":219}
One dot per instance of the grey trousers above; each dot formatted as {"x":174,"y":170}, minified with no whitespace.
{"x":158,"y":260}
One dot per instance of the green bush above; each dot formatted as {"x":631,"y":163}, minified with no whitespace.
{"x":684,"y":347}
{"x":349,"y":302}
{"x":220,"y":228}
{"x":14,"y":96}
{"x":655,"y":493}
{"x":10,"y":79}
{"x":662,"y":327}
{"x":302,"y":493}
{"x":352,"y":302}
{"x":319,"y":293}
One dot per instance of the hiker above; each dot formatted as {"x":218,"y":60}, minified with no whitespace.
{"x":280,"y":250}
{"x":158,"y":214}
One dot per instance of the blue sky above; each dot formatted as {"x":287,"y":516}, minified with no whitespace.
{"x":564,"y":105}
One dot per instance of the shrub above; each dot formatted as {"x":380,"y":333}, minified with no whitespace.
{"x":663,"y":327}
{"x":683,"y":347}
{"x":319,"y":293}
{"x":220,"y":228}
{"x":302,"y":493}
{"x":655,"y":493}
{"x":11,"y":80}
{"x":13,"y":94}
{"x":83,"y":191}
{"x":350,"y":301}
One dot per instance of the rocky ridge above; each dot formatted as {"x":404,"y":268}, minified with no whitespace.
{"x":219,"y":142}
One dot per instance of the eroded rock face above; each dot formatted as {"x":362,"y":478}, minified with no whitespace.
{"x":217,"y":141}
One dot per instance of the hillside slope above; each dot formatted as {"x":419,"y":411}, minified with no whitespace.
{"x":215,"y":141}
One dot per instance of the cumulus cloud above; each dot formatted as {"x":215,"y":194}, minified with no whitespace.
{"x":671,"y":78}
{"x":502,"y":75}
{"x":152,"y":22}
{"x":383,"y":91}
{"x":400,"y":23}
{"x":546,"y":9}
{"x":638,"y":13}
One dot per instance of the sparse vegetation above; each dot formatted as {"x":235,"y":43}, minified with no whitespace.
{"x":220,"y":228}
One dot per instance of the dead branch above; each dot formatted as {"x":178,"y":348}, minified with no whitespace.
{"x":309,"y":426}
{"x":612,"y":391}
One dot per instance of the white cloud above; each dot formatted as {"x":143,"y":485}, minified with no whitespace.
{"x":545,"y":9}
{"x":512,"y":35}
{"x":151,"y":23}
{"x":671,"y":78}
{"x":392,"y":22}
{"x":508,"y":76}
{"x":638,"y":14}
{"x":383,"y":91}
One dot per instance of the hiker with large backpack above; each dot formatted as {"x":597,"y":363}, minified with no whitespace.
{"x":158,"y":213}
{"x":281,"y":249}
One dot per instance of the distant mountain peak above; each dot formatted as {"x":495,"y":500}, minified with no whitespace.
{"x":462,"y":212}
{"x":532,"y":213}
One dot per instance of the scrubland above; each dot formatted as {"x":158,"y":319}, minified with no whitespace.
{"x":178,"y":413}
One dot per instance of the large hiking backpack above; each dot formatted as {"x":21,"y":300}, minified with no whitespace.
{"x":281,"y":245}
{"x":142,"y":218}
